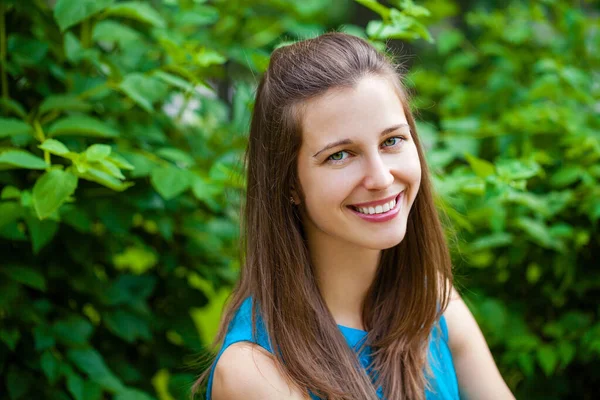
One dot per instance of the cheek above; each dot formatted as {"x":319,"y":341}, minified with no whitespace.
{"x":412,"y":165}
{"x":327,"y":188}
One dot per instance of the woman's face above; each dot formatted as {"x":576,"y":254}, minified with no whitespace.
{"x":357,"y":159}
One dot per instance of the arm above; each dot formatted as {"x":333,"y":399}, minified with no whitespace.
{"x":478,"y":376}
{"x":246,"y":371}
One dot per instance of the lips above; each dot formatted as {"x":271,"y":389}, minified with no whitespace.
{"x":376,"y":202}
{"x":379,"y":217}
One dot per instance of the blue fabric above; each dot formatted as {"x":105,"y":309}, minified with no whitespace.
{"x":443,"y":383}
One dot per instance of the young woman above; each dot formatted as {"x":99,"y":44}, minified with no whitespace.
{"x":346,"y":286}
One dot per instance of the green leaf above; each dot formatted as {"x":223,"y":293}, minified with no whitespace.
{"x":111,"y":169}
{"x":21,"y":159}
{"x":179,"y":157}
{"x":566,"y":176}
{"x":481,"y":167}
{"x":526,"y":362}
{"x":91,"y":363}
{"x":10,"y":337}
{"x":26,"y":51}
{"x":76,"y":217}
{"x":129,"y":289}
{"x":14,"y":106}
{"x":72,"y":331}
{"x":12,"y":126}
{"x":133,"y":394}
{"x":97,"y":152}
{"x":139,"y":11}
{"x":206,"y":319}
{"x":81,"y":125}
{"x":449,"y":40}
{"x":51,"y":190}
{"x":517,"y":169}
{"x":75,"y":386}
{"x":222,"y":172}
{"x":207,"y":57}
{"x":10,"y":193}
{"x":40,"y":232}
{"x":142,"y":165}
{"x":126,"y":325}
{"x":64,"y":103}
{"x":99,"y":176}
{"x":403,"y":27}
{"x":25,"y":275}
{"x":18,"y":382}
{"x":55,"y":147}
{"x":112,"y":31}
{"x":9,"y":212}
{"x":51,"y":366}
{"x":567,"y":352}
{"x":70,"y":12}
{"x":411,"y":8}
{"x":43,"y":337}
{"x":136,"y":259}
{"x":547,"y":359}
{"x":73,"y":50}
{"x":92,"y":391}
{"x":120,"y":162}
{"x":174,"y":80}
{"x":206,"y":191}
{"x":170,"y":181}
{"x":533,"y":273}
{"x":375,"y":6}
{"x":80,"y":388}
{"x":493,"y":240}
{"x":198,"y":16}
{"x":538,"y":232}
{"x":142,"y":89}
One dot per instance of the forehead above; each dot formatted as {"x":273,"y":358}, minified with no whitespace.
{"x":364,"y":110}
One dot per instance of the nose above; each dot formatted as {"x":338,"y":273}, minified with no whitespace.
{"x":377,"y":175}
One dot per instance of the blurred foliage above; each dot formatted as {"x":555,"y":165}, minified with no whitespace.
{"x":122,"y":128}
{"x":509,"y":100}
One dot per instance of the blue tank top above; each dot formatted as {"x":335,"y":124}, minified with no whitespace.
{"x":443,"y":383}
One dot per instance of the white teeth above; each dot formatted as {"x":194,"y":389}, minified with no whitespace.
{"x":378,"y":209}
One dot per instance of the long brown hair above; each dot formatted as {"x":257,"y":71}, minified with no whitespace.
{"x":412,"y":286}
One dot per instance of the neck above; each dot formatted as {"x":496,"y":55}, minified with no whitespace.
{"x":344,"y":274}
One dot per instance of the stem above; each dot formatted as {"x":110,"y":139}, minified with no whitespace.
{"x":4,"y":82}
{"x":51,"y":116}
{"x":86,"y":34}
{"x":39,"y":133}
{"x":92,"y":91}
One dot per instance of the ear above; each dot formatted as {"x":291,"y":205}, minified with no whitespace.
{"x":294,"y":198}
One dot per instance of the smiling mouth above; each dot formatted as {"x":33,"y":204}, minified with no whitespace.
{"x":381,"y":208}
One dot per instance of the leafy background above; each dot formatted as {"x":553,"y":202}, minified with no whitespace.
{"x":122,"y":126}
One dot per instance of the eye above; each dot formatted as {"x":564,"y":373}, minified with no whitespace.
{"x":392,"y":141}
{"x":339,"y":156}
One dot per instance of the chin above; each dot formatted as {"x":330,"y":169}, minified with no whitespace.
{"x":383,"y":243}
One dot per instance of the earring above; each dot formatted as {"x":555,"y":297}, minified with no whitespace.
{"x":292,"y":200}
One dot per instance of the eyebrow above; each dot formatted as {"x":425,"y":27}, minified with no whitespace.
{"x":348,"y":141}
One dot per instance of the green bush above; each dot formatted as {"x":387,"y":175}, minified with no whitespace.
{"x":121,"y":132}
{"x":122,"y":126}
{"x":509,"y":98}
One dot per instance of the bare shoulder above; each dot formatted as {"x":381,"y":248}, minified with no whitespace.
{"x":478,"y":376}
{"x":247,"y":371}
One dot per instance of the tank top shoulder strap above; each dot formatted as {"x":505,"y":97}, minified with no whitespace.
{"x":240,"y":330}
